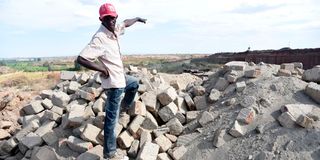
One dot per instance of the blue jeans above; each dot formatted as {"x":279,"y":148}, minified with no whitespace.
{"x":112,"y":112}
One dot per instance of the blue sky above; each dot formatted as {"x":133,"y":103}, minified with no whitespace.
{"x":45,"y":28}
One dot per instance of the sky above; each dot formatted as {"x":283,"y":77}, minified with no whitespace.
{"x":47,"y":28}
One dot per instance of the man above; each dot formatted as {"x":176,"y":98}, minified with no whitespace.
{"x":102,"y":54}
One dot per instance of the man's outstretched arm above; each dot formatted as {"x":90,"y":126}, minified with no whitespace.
{"x":93,"y":66}
{"x":130,"y":22}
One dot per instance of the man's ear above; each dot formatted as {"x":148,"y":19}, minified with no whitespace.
{"x":100,"y":19}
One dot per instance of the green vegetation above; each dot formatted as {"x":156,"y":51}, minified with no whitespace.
{"x":35,"y":66}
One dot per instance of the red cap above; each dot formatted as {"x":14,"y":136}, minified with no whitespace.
{"x":107,"y":9}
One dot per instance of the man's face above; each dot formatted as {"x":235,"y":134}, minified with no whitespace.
{"x":109,"y":22}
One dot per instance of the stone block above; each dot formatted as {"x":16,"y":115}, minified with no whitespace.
{"x":287,"y":66}
{"x":46,"y":94}
{"x":125,"y":140}
{"x":145,"y":137}
{"x":163,"y":156}
{"x":181,"y":117}
{"x":33,"y":108}
{"x":150,"y":122}
{"x":150,"y":100}
{"x":32,"y":140}
{"x":76,"y":115}
{"x":45,"y":128}
{"x":46,"y":103}
{"x":73,"y":87}
{"x":237,"y":130}
{"x":313,"y":91}
{"x":50,"y":138}
{"x":287,"y":120}
{"x":5,"y":124}
{"x":133,"y":151}
{"x":147,"y":83}
{"x":171,"y":137}
{"x":181,"y":104}
{"x":32,"y":126}
{"x":90,"y":133}
{"x":167,"y":112}
{"x":160,"y":131}
{"x":178,"y":152}
{"x":296,"y":110}
{"x":98,"y":106}
{"x":57,"y":110}
{"x":221,"y":84}
{"x":176,"y":85}
{"x":248,"y":101}
{"x":189,"y":102}
{"x":236,"y":65}
{"x":45,"y":153}
{"x":205,"y":118}
{"x":78,"y":145}
{"x":192,"y":115}
{"x":60,"y":99}
{"x":200,"y":102}
{"x":246,"y":115}
{"x":86,"y":95}
{"x":283,"y":72}
{"x":214,"y":96}
{"x":221,"y":137}
{"x":9,"y":145}
{"x":135,"y":125}
{"x":138,"y":108}
{"x":124,"y":120}
{"x":67,"y":75}
{"x":175,"y":126}
{"x":253,"y":73}
{"x":191,"y":126}
{"x":240,"y":86}
{"x":163,"y":142}
{"x":95,"y":153}
{"x":167,"y":96}
{"x":305,"y":121}
{"x":312,"y":75}
{"x":4,"y":134}
{"x":198,"y":91}
{"x":84,"y":77}
{"x":148,"y":152}
{"x":49,"y":115}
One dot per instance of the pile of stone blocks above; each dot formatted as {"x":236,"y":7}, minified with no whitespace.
{"x":67,"y":122}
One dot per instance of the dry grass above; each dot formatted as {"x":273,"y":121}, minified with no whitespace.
{"x":35,"y":81}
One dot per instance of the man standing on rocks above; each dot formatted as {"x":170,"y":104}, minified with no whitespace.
{"x":102,"y":54}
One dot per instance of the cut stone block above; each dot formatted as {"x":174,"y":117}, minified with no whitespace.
{"x":200,"y":102}
{"x":150,"y":100}
{"x":4,"y":134}
{"x":176,"y":85}
{"x":191,"y":126}
{"x":236,"y":65}
{"x":148,"y":152}
{"x":248,"y":101}
{"x":150,"y":122}
{"x":84,"y":77}
{"x":240,"y":86}
{"x":46,"y":103}
{"x":76,"y":115}
{"x":124,"y":120}
{"x":133,"y":151}
{"x":49,"y":115}
{"x":287,"y":120}
{"x":253,"y":73}
{"x":95,"y":153}
{"x":237,"y":130}
{"x":90,"y":133}
{"x":50,"y":138}
{"x":60,"y":99}
{"x":287,"y":66}
{"x":73,"y":87}
{"x":312,"y":75}
{"x":57,"y":110}
{"x":125,"y":140}
{"x":98,"y":106}
{"x":205,"y":118}
{"x":9,"y":145}
{"x":67,"y":75}
{"x":86,"y":95}
{"x":32,"y":126}
{"x":167,"y":96}
{"x":163,"y":142}
{"x":33,"y":108}
{"x":296,"y":110}
{"x":181,"y":104}
{"x":190,"y":102}
{"x":171,"y":137}
{"x":45,"y":153}
{"x":283,"y":72}
{"x":181,"y":117}
{"x":32,"y":140}
{"x":221,"y":84}
{"x":198,"y":91}
{"x":192,"y":115}
{"x":135,"y":125}
{"x":214,"y":95}
{"x":139,"y":108}
{"x":175,"y":126}
{"x":221,"y":137}
{"x":305,"y":121}
{"x":246,"y":115}
{"x":45,"y":128}
{"x":313,"y":90}
{"x":78,"y":145}
{"x":168,"y":112}
{"x":163,"y":156}
{"x":145,"y":137}
{"x":178,"y":152}
{"x":46,"y":94}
